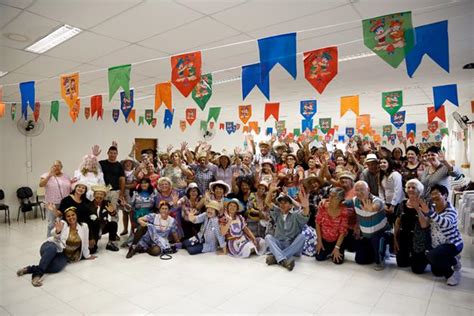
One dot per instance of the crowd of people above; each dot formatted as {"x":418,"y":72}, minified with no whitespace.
{"x":280,"y":198}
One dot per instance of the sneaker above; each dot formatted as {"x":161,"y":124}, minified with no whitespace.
{"x":454,"y":279}
{"x":458,"y":265}
{"x":22,"y":271}
{"x":271,"y":260}
{"x":379,"y":266}
{"x":112,"y":247}
{"x":288,"y":264}
{"x":131,"y":252}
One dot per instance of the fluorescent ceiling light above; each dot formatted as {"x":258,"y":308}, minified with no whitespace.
{"x":53,"y":39}
{"x":3,"y":73}
{"x":356,"y":56}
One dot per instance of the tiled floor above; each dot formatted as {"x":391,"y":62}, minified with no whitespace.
{"x":211,"y":284}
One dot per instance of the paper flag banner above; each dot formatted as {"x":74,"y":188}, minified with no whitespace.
{"x":154,"y":121}
{"x":245,"y":112}
{"x":251,"y":77}
{"x":253,"y":126}
{"x":70,"y":88}
{"x":433,"y":126}
{"x":149,"y":116}
{"x":163,"y":95}
{"x":425,"y":136}
{"x":279,"y":49}
{"x":331,"y":131}
{"x":211,"y":125}
{"x":398,"y":119}
{"x":325,"y":124}
{"x":350,"y":103}
{"x":27,"y":91}
{"x":399,"y":134}
{"x":36,"y":112}
{"x":221,"y":126}
{"x":307,"y":124}
{"x":96,"y":105}
{"x":472,"y":106}
{"x":1,"y":94}
{"x":444,"y":131}
{"x":202,"y":92}
{"x":363,"y":123}
{"x":237,"y":126}
{"x":126,"y":103}
{"x":190,"y":115}
{"x":54,"y":112}
{"x":269,"y":131}
{"x":432,"y":113}
{"x":340,"y":138}
{"x":377,"y":138}
{"x":411,"y":130}
{"x":387,"y":130}
{"x":119,"y":76}
{"x":186,"y":72}
{"x":391,"y":37}
{"x":445,"y":93}
{"x":320,"y":67}
{"x":141,"y":119}
{"x":2,"y":109}
{"x":350,"y":131}
{"x":392,"y":138}
{"x":75,"y":110}
{"x":182,"y":125}
{"x":308,"y":108}
{"x":272,"y":109}
{"x":280,"y":126}
{"x":230,"y":127}
{"x":131,"y":116}
{"x":296,"y":132}
{"x":432,"y":40}
{"x":203,"y":126}
{"x":87,"y":112}
{"x":115,"y":115}
{"x":392,"y":101}
{"x":13,"y":111}
{"x":213,"y":114}
{"x":327,"y":138}
{"x":168,"y":118}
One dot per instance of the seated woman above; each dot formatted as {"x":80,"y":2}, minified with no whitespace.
{"x":142,"y":202}
{"x":155,"y":232}
{"x":241,"y":242}
{"x":69,"y":243}
{"x":411,"y":240}
{"x":168,"y":194}
{"x":192,"y":200}
{"x":89,"y":173}
{"x":209,"y":238}
{"x":217,"y":192}
{"x":257,"y":212}
{"x":332,"y":223}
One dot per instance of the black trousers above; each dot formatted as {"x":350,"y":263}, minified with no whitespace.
{"x":370,"y":250}
{"x":407,"y":257}
{"x":326,"y":252}
{"x":110,"y":228}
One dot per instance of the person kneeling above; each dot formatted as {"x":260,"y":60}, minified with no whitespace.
{"x":107,"y":218}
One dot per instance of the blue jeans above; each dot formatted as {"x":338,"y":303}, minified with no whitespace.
{"x":193,"y":248}
{"x":51,"y":261}
{"x":285,"y":249}
{"x":442,"y":258}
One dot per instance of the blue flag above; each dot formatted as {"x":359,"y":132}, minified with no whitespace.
{"x":308,"y":108}
{"x":230,"y":127}
{"x":251,"y":77}
{"x":442,"y":93}
{"x":432,"y":40}
{"x":350,"y":131}
{"x":115,"y":115}
{"x":398,"y":119}
{"x":269,"y":131}
{"x":306,"y":124}
{"x":168,"y":119}
{"x":341,"y":138}
{"x":27,"y":91}
{"x":126,"y":104}
{"x":280,"y":49}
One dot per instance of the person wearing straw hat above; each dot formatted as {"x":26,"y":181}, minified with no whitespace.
{"x":266,"y":171}
{"x":89,"y":172}
{"x":290,"y":220}
{"x":106,"y":215}
{"x":265,"y":153}
{"x":241,"y":242}
{"x":371,"y":173}
{"x":217,"y":192}
{"x":177,"y":172}
{"x":225,"y":170}
{"x":291,"y":175}
{"x":204,"y":171}
{"x":129,"y":164}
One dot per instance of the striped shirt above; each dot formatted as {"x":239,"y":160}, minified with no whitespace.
{"x":447,"y":223}
{"x":371,"y":222}
{"x":210,"y":233}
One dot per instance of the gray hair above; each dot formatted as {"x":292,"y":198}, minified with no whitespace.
{"x":340,"y":193}
{"x":419,"y":186}
{"x":363,"y":183}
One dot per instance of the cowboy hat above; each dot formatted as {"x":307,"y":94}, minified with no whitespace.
{"x":286,"y":197}
{"x":214,"y":205}
{"x":312,"y":177}
{"x":221,"y":183}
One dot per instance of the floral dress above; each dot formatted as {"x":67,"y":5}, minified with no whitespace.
{"x":158,"y":232}
{"x":238,"y":243}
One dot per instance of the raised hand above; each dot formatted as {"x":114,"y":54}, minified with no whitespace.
{"x":175,"y":198}
{"x":169,"y":148}
{"x":58,"y":226}
{"x":114,"y":143}
{"x":303,"y":197}
{"x":367,"y":205}
{"x":184,"y":146}
{"x":110,"y":208}
{"x":96,"y":150}
{"x":422,"y":206}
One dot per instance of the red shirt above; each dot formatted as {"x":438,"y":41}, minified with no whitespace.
{"x":332,"y":227}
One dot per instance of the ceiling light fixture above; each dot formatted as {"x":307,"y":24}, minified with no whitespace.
{"x":3,"y":73}
{"x":53,"y":39}
{"x":356,"y":56}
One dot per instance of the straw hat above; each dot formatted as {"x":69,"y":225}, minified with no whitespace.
{"x":160,"y":180}
{"x":371,"y":157}
{"x":278,"y":145}
{"x":285,"y":197}
{"x":214,"y":205}
{"x":134,"y":162}
{"x":263,"y":183}
{"x":100,"y":188}
{"x":264,"y":143}
{"x":240,"y":208}
{"x":312,"y":177}
{"x":212,"y":185}
{"x":347,"y":175}
{"x":269,"y":162}
{"x":191,"y":186}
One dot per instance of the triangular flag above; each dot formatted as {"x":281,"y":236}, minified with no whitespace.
{"x":115,"y":115}
{"x":202,"y":92}
{"x":251,"y":77}
{"x":245,"y":112}
{"x":432,"y":40}
{"x":246,"y":129}
{"x":182,"y":125}
{"x":432,"y":113}
{"x":119,"y":76}
{"x":325,"y":124}
{"x":75,"y":110}
{"x":350,"y":103}
{"x":350,"y":131}
{"x":131,"y":116}
{"x":320,"y":67}
{"x":2,"y":109}
{"x":221,"y":126}
{"x":398,"y":119}
{"x":296,"y":132}
{"x":36,"y":112}
{"x":411,"y":132}
{"x":126,"y":103}
{"x":27,"y":91}
{"x":445,"y":93}
{"x":213,"y":113}
{"x":13,"y":111}
{"x":340,"y":138}
{"x":149,"y":116}
{"x":272,"y":109}
{"x":230,"y":127}
{"x":279,"y":49}
{"x":168,"y":118}
{"x":363,"y":123}
{"x":87,"y":112}
{"x":141,"y":119}
{"x":163,"y":95}
{"x":307,"y":124}
{"x":444,"y":131}
{"x":190,"y":116}
{"x":269,"y":131}
{"x":433,"y":126}
{"x":54,"y":110}
{"x":70,"y":88}
{"x":203,"y":126}
{"x":154,"y":121}
{"x":254,"y":126}
{"x":96,"y":105}
{"x":425,"y":135}
{"x":392,"y":101}
{"x":186,"y":71}
{"x":387,"y":130}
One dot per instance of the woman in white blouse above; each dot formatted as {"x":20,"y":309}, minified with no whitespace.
{"x":390,"y":188}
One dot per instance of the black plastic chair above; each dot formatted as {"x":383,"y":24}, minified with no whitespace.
{"x":24,"y":195}
{"x":4,"y":207}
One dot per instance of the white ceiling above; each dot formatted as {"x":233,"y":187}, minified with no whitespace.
{"x":128,"y":31}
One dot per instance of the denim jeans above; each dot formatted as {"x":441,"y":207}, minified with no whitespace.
{"x":442,"y":258}
{"x":285,"y":249}
{"x":51,"y":261}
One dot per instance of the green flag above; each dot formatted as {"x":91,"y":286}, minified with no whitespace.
{"x":119,"y":76}
{"x":54,"y":111}
{"x":391,"y":36}
{"x":149,"y":116}
{"x":444,"y":131}
{"x":203,"y":126}
{"x":387,"y":130}
{"x":141,"y":119}
{"x":213,"y":114}
{"x":325,"y":124}
{"x":202,"y":92}
{"x":392,"y":101}
{"x":296,"y":132}
{"x":13,"y":111}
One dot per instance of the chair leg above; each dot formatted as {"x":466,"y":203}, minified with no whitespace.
{"x":18,"y":215}
{"x":24,"y":217}
{"x":8,"y":212}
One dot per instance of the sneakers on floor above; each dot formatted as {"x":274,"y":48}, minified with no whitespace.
{"x":379,"y":266}
{"x":131,"y":252}
{"x":271,"y":260}
{"x":112,"y":247}
{"x":454,"y":279}
{"x":458,"y":265}
{"x":288,"y":264}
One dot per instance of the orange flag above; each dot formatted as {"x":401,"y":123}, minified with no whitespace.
{"x":2,"y":109}
{"x":163,"y":95}
{"x":245,"y":112}
{"x":363,"y":123}
{"x":350,"y":103}
{"x":472,"y":106}
{"x":74,"y":111}
{"x":254,"y":126}
{"x":432,"y":114}
{"x":377,"y":138}
{"x":132,"y":116}
{"x":70,"y":89}
{"x":272,"y":109}
{"x":182,"y":125}
{"x":246,"y":129}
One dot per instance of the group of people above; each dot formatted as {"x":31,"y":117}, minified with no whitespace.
{"x":280,"y":198}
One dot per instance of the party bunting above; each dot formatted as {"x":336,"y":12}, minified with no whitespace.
{"x":391,"y":37}
{"x":350,"y":131}
{"x":75,"y":110}
{"x":211,"y":125}
{"x":377,"y":138}
{"x":387,"y":130}
{"x":425,"y":135}
{"x":186,"y":72}
{"x":251,"y":77}
{"x":96,"y":106}
{"x":13,"y":111}
{"x":182,"y":125}
{"x":325,"y":124}
{"x":399,"y":135}
{"x":168,"y":118}
{"x":253,"y":126}
{"x":445,"y":93}
{"x":444,"y":131}
{"x":308,"y":108}
{"x":472,"y":106}
{"x":119,"y":76}
{"x":131,"y":116}
{"x":398,"y":119}
{"x":245,"y":112}
{"x":141,"y":119}
{"x":1,"y":94}
{"x":70,"y":88}
{"x":433,"y":126}
{"x":2,"y":109}
{"x":392,"y":101}
{"x":154,"y":121}
{"x":149,"y":116}
{"x":203,"y":126}
{"x":237,"y":126}
{"x":36,"y":112}
{"x":269,"y":131}
{"x":279,"y":49}
{"x":54,"y":113}
{"x":202,"y":92}
{"x":432,"y":113}
{"x":320,"y":67}
{"x":213,"y":114}
{"x":411,"y":132}
{"x":221,"y":126}
{"x":115,"y":115}
{"x":87,"y":112}
{"x":272,"y":109}
{"x":340,"y":138}
{"x":27,"y":91}
{"x":307,"y":124}
{"x":126,"y":103}
{"x":296,"y":132}
{"x":363,"y":123}
{"x":230,"y":127}
{"x":280,"y":127}
{"x":163,"y":95}
{"x":190,"y":116}
{"x":432,"y":40}
{"x":350,"y":103}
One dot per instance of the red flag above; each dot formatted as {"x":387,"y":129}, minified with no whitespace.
{"x":221,"y":126}
{"x":96,"y":106}
{"x":190,"y":115}
{"x":432,"y":114}
{"x":153,"y":122}
{"x":320,"y":67}
{"x":272,"y":109}
{"x":433,"y":126}
{"x":36,"y":113}
{"x":87,"y":112}
{"x":246,"y":129}
{"x":186,"y":71}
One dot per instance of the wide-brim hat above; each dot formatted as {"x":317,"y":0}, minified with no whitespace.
{"x":286,"y":197}
{"x":279,"y":145}
{"x":191,"y":186}
{"x":264,"y":143}
{"x":347,"y":175}
{"x":134,"y":162}
{"x":212,"y":185}
{"x":214,"y":205}
{"x":264,"y":183}
{"x":268,"y":162}
{"x":225,"y":154}
{"x":80,"y":182}
{"x":162,"y":179}
{"x":312,"y":177}
{"x":292,"y":155}
{"x":100,"y":188}
{"x":371,"y":158}
{"x":240,"y":208}
{"x":200,"y":155}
